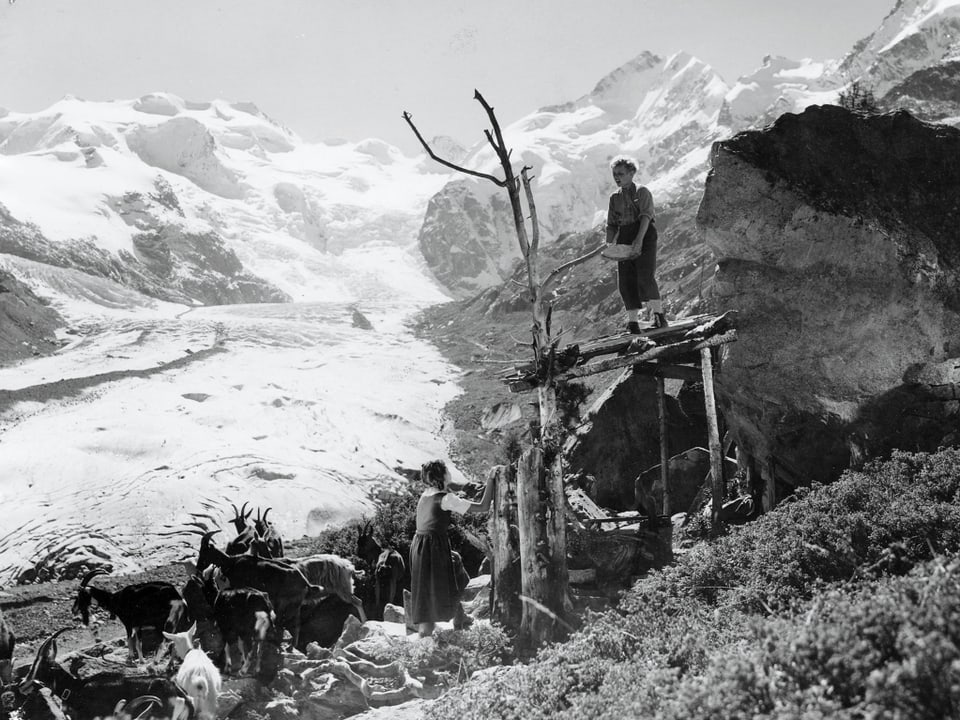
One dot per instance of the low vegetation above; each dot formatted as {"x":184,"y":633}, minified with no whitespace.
{"x":843,"y":602}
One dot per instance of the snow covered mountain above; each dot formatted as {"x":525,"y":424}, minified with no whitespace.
{"x":214,"y":202}
{"x":667,"y":113}
{"x":203,"y":203}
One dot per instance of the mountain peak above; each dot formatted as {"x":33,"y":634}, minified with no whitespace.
{"x":625,"y":87}
{"x":915,"y":34}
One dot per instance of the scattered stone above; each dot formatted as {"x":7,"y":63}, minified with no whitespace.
{"x":196,"y":397}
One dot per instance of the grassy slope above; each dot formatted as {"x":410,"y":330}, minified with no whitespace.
{"x":844,"y":602}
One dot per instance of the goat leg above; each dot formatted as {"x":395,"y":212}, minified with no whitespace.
{"x":227,"y":659}
{"x":138,"y":643}
{"x":131,"y":645}
{"x":244,"y":656}
{"x":295,"y":633}
{"x":257,"y":654}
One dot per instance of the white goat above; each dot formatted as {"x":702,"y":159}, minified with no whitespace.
{"x":334,"y":574}
{"x":198,"y":676}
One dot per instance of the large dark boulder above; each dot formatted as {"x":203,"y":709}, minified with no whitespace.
{"x":838,"y":239}
{"x":619,"y":438}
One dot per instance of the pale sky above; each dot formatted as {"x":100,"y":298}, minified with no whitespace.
{"x":348,"y":68}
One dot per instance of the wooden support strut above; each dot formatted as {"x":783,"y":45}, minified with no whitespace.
{"x":664,"y":449}
{"x":713,"y":437}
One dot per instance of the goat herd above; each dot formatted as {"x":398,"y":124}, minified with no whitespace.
{"x":233,"y":609}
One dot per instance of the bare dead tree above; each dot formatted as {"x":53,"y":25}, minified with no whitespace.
{"x":540,"y":497}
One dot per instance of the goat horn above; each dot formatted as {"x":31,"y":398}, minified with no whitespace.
{"x":244,"y":507}
{"x":92,"y":574}
{"x":30,"y":677}
{"x":236,"y":513}
{"x":264,"y":518}
{"x":205,"y":540}
{"x":141,"y":700}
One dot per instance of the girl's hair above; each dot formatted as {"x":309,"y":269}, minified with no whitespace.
{"x":624,"y":160}
{"x":433,"y":473}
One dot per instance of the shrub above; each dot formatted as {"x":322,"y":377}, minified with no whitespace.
{"x":859,"y":616}
{"x":882,"y":520}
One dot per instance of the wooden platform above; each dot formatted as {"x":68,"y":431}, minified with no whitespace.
{"x":670,"y":352}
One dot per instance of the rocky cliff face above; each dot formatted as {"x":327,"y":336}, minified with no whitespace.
{"x":836,"y":238}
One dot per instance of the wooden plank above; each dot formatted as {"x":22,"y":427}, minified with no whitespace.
{"x":614,"y":519}
{"x":582,"y":504}
{"x":609,"y":344}
{"x":661,"y":351}
{"x":713,"y":437}
{"x":672,"y":372}
{"x":586,"y":350}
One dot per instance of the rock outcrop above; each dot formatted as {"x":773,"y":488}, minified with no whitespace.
{"x":27,"y":324}
{"x":837,"y":240}
{"x":619,"y":439}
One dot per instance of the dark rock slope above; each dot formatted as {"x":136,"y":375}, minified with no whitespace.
{"x":27,"y":324}
{"x":838,"y":240}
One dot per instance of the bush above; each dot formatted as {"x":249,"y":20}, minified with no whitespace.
{"x":837,"y":604}
{"x":882,"y":520}
{"x":457,"y":654}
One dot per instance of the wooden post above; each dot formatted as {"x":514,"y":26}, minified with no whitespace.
{"x":664,"y":447}
{"x":504,"y":539}
{"x":770,"y":486}
{"x":713,"y":438}
{"x":544,"y":589}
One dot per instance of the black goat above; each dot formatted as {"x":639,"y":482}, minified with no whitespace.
{"x":389,"y":569}
{"x":285,"y":585}
{"x":88,"y":693}
{"x":199,"y":594}
{"x":245,"y":617}
{"x":150,"y":604}
{"x":321,"y":619}
{"x":7,"y":642}
{"x":245,"y":531}
{"x":268,"y":535}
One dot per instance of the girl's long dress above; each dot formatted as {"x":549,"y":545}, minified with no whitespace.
{"x":433,"y":582}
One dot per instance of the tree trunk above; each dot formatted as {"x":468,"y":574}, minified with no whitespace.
{"x":542,"y":551}
{"x":540,"y":497}
{"x":505,"y":563}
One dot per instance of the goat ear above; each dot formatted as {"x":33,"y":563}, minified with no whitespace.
{"x":168,"y":636}
{"x":192,"y":630}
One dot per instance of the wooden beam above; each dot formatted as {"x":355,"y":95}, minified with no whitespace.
{"x":664,"y":454}
{"x":713,"y":438}
{"x":661,"y":351}
{"x":614,"y":519}
{"x":674,"y":372}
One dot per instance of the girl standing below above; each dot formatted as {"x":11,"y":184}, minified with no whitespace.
{"x":631,"y":221}
{"x":435,"y":594}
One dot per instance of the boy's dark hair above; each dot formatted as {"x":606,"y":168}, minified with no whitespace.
{"x":433,"y":473}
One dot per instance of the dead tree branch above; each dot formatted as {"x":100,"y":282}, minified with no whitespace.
{"x":426,"y":146}
{"x":557,"y":271}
